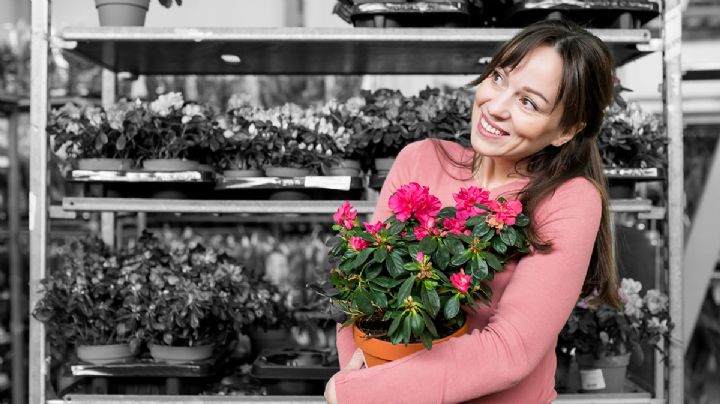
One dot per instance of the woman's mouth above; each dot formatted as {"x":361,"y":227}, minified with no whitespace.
{"x":489,"y":130}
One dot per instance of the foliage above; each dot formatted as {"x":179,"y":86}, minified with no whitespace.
{"x":91,"y":132}
{"x":631,"y":137}
{"x":601,"y":331}
{"x":408,"y":276}
{"x":82,"y":300}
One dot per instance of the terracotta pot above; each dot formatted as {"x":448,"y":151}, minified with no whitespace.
{"x":104,"y":164}
{"x":104,"y":354}
{"x":377,"y":351}
{"x":606,"y":375}
{"x":170,"y":165}
{"x":180,"y":354}
{"x":122,"y":13}
{"x":243,"y":173}
{"x":287,"y":171}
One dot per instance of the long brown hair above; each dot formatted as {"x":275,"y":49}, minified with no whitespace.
{"x":586,"y":89}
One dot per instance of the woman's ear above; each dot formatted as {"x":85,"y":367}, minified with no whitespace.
{"x":568,"y":136}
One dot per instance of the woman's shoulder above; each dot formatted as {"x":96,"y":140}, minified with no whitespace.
{"x":577,"y":191}
{"x":429,"y":147}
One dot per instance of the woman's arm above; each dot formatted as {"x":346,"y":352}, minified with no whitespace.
{"x":522,"y":330}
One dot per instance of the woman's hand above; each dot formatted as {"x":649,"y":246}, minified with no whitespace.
{"x":356,"y":362}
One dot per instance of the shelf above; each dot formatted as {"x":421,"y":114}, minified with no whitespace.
{"x":260,"y":206}
{"x":647,"y":174}
{"x":139,"y":176}
{"x":209,"y":206}
{"x":624,"y":398}
{"x":338,"y":182}
{"x":145,"y":50}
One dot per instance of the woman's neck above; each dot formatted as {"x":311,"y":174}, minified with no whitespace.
{"x":491,"y":173}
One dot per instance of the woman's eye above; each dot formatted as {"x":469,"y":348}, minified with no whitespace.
{"x":497,"y":78}
{"x":527,"y":103}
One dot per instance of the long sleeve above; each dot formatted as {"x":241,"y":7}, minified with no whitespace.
{"x":523,"y":326}
{"x":399,"y":175}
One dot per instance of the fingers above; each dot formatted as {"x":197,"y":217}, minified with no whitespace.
{"x":357,"y":361}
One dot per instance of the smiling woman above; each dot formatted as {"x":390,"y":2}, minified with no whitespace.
{"x":536,"y":116}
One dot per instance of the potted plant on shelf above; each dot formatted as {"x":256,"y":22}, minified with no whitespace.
{"x":404,"y":280}
{"x":348,"y":144}
{"x":93,"y":138}
{"x":82,"y":305}
{"x":172,"y":130}
{"x":244,"y":152}
{"x":126,"y":13}
{"x":604,"y":338}
{"x":294,"y":150}
{"x":633,"y":145}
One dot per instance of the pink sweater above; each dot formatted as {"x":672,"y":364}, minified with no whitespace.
{"x":509,"y":355}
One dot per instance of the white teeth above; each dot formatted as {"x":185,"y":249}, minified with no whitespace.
{"x":490,"y":128}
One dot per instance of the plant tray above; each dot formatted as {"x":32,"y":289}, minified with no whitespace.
{"x":146,"y":368}
{"x":410,"y":14}
{"x":340,"y":182}
{"x":625,"y":14}
{"x":141,"y":176}
{"x":295,"y":364}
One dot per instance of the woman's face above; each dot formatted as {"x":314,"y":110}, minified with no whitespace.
{"x":515,"y":113}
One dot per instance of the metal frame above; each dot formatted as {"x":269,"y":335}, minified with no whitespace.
{"x":38,"y":199}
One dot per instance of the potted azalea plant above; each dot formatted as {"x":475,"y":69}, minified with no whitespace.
{"x":633,"y":145}
{"x":294,"y":150}
{"x":171,"y":132}
{"x":404,"y":280}
{"x":340,"y":121}
{"x":94,"y":138}
{"x":604,"y":338}
{"x":244,"y":152}
{"x":82,"y":304}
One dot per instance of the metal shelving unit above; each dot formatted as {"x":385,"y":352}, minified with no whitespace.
{"x":313,"y":51}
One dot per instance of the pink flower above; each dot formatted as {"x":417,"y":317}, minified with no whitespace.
{"x":374,"y":229}
{"x":426,"y":228}
{"x":420,"y":256}
{"x":344,"y":216}
{"x":466,"y":199}
{"x":414,"y":200}
{"x":461,"y":281}
{"x":503,"y":213}
{"x":357,"y":243}
{"x":421,"y":232}
{"x":455,"y":226}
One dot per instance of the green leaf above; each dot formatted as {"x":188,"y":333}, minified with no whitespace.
{"x":396,"y":228}
{"x":363,"y":300}
{"x":454,"y":245}
{"x":446,"y":212}
{"x":405,"y":288}
{"x":460,"y":259}
{"x":522,"y":220}
{"x":452,"y":308}
{"x":426,"y":340}
{"x":430,"y":325}
{"x":489,"y":235}
{"x":442,"y":256}
{"x":413,"y":249}
{"x":406,"y":330}
{"x":361,"y":258}
{"x":481,"y":229}
{"x":373,"y":271}
{"x":394,"y":265}
{"x":481,"y":268}
{"x":493,"y":261}
{"x":386,"y":282}
{"x":394,"y":325}
{"x":428,"y":245}
{"x":499,"y":246}
{"x":507,"y":235}
{"x":431,"y":300}
{"x":379,"y":298}
{"x":474,"y":220}
{"x":380,"y":254}
{"x":417,"y":325}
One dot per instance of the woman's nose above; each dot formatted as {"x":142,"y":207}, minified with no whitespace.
{"x":499,"y":106}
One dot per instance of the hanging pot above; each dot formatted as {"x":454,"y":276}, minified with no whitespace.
{"x":606,"y":375}
{"x":122,"y":13}
{"x":104,"y":354}
{"x":180,"y":354}
{"x":377,"y":351}
{"x":104,"y":164}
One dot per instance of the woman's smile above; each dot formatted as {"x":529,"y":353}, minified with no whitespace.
{"x":490,"y":130}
